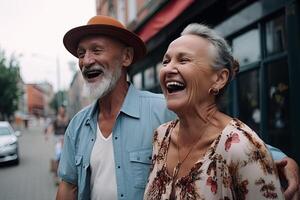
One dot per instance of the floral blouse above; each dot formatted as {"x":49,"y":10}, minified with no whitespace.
{"x":237,"y":165}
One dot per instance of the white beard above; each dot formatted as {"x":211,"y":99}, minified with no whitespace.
{"x":103,"y":86}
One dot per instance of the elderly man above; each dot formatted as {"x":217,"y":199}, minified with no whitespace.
{"x":107,"y":146}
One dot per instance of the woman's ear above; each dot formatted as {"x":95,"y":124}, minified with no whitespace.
{"x":222,"y":78}
{"x":128,"y":54}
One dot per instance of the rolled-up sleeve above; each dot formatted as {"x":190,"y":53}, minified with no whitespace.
{"x":67,"y":167}
{"x":277,"y":154}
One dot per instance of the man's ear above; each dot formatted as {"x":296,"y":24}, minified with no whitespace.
{"x":128,"y":54}
{"x":222,"y":78}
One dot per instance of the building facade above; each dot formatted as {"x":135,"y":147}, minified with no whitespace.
{"x":265,"y":39}
{"x":77,"y":99}
{"x":48,"y":95}
{"x":35,"y":100}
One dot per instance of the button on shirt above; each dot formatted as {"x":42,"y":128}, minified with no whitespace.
{"x":141,"y":113}
{"x":103,"y":172}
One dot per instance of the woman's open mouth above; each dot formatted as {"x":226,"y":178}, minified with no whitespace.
{"x":175,"y":86}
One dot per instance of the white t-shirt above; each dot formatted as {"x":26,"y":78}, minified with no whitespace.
{"x":103,"y":174}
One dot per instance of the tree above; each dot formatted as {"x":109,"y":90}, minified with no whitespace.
{"x":58,"y":99}
{"x":9,"y":91}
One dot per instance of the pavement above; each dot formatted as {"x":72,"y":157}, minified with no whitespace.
{"x":31,"y":179}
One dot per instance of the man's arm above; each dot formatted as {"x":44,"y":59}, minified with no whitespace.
{"x":289,"y":173}
{"x":66,"y":191}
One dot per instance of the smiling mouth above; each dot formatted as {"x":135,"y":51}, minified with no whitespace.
{"x":175,"y":86}
{"x":92,"y":73}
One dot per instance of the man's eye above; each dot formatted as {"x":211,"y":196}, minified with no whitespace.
{"x":80,"y":54}
{"x":97,"y":50}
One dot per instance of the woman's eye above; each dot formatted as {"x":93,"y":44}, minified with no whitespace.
{"x":184,"y":60}
{"x":165,"y":62}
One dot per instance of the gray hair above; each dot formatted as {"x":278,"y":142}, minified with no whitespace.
{"x":221,"y":50}
{"x":222,"y":54}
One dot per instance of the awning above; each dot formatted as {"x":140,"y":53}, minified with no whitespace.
{"x":161,"y":19}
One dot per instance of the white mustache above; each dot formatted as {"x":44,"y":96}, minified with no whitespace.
{"x":92,"y":68}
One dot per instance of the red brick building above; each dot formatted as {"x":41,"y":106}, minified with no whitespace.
{"x":35,"y":100}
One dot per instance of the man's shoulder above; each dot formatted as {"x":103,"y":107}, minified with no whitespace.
{"x":155,"y":97}
{"x":156,"y":105}
{"x":153,"y":101}
{"x":85,"y":111}
{"x":82,"y":115}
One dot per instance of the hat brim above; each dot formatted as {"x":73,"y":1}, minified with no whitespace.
{"x":73,"y":37}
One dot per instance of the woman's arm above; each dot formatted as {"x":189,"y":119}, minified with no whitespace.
{"x":256,"y":175}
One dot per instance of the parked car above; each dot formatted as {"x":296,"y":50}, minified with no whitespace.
{"x":9,"y":146}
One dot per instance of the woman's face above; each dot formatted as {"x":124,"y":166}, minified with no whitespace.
{"x":187,"y":74}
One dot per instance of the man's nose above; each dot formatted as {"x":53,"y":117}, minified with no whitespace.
{"x":88,"y":59}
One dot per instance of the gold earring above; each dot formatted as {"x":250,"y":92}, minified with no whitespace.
{"x":213,"y":91}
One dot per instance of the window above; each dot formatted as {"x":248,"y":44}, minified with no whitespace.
{"x":121,"y":11}
{"x":276,"y":35}
{"x":158,"y":67}
{"x":278,"y":104}
{"x":149,"y":79}
{"x":132,"y":10}
{"x":248,"y":98}
{"x":246,"y":47}
{"x":137,"y":80}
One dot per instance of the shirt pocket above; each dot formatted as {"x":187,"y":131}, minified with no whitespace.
{"x":140,"y":161}
{"x":78,"y":164}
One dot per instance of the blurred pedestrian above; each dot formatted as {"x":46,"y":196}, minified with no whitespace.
{"x":58,"y":128}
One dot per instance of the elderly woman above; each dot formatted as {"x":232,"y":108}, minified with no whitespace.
{"x":206,"y":154}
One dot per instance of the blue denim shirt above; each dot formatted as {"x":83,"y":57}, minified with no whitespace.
{"x":141,"y":113}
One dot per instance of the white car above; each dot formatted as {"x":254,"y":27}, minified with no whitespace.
{"x":9,"y":147}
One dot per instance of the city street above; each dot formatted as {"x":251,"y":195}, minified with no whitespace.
{"x":31,"y":179}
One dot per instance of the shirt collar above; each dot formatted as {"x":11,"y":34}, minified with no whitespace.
{"x":131,"y":105}
{"x":92,"y":112}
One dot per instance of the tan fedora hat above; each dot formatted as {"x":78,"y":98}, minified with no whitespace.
{"x":104,"y":25}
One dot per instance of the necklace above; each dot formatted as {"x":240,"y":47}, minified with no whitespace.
{"x":210,"y":112}
{"x":179,"y":163}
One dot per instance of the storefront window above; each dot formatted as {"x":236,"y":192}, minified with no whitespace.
{"x":137,"y":80}
{"x":132,"y":10}
{"x":158,"y":67}
{"x":246,"y":47}
{"x":276,"y":35}
{"x":149,"y":77}
{"x":248,"y":98}
{"x":278,"y":104}
{"x":225,"y":102}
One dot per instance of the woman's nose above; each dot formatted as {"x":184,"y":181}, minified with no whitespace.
{"x":171,"y":67}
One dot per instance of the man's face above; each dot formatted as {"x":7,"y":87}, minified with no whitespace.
{"x":100,"y":61}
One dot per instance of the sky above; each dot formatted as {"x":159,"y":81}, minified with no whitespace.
{"x":33,"y":30}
